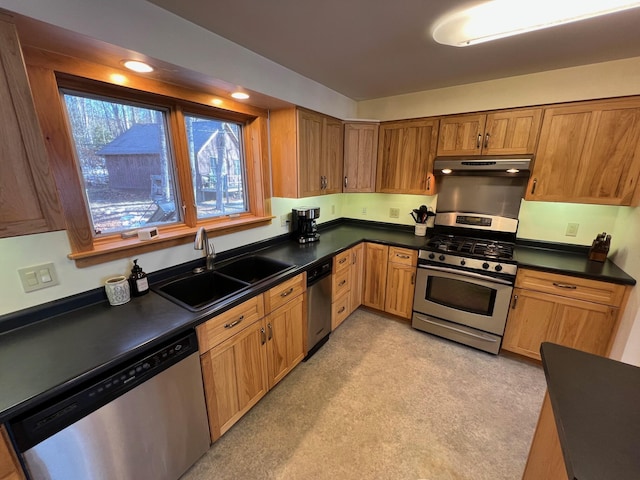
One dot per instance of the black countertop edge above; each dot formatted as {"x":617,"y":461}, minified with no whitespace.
{"x":556,"y":247}
{"x":594,"y":403}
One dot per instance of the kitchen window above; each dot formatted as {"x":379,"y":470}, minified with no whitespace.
{"x":145,"y":153}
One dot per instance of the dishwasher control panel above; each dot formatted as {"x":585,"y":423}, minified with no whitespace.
{"x":34,"y":426}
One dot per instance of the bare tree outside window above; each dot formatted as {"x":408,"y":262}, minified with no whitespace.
{"x":124,"y":161}
{"x":217,"y":166}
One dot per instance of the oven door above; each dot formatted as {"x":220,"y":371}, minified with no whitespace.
{"x":465,"y":298}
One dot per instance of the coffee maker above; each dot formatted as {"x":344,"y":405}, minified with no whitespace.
{"x":303,"y":221}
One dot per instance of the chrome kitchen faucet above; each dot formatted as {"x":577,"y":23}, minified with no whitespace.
{"x":202,"y":243}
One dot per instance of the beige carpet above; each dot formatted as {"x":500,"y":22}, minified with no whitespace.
{"x":383,"y":401}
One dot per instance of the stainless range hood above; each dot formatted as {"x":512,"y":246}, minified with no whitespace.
{"x":482,"y":185}
{"x":517,"y":165}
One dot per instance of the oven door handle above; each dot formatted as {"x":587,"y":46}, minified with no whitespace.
{"x":467,"y":274}
{"x":459,"y":330}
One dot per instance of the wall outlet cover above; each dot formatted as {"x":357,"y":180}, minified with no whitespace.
{"x":572,"y":229}
{"x":394,"y":213}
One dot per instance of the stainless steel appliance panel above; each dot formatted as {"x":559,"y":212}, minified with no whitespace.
{"x":156,"y":430}
{"x":318,"y":307}
{"x":465,"y":298}
{"x":459,"y":333}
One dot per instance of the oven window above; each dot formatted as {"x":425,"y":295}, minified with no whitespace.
{"x":461,"y":295}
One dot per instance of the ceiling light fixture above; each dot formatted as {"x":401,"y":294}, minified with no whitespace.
{"x":503,"y":18}
{"x":446,"y":171}
{"x":240,"y":95}
{"x":136,"y":66}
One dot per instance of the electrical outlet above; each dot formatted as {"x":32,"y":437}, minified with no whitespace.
{"x":38,"y":277}
{"x":284,"y":219}
{"x":394,"y":213}
{"x":333,"y":209}
{"x":364,"y":210}
{"x":572,"y":229}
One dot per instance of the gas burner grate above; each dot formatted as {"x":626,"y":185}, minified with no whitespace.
{"x":471,"y":247}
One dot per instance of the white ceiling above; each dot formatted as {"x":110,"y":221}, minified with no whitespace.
{"x":368,"y":49}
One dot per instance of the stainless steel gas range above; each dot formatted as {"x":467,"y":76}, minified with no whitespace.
{"x":466,"y":269}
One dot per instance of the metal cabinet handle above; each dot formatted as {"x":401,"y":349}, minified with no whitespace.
{"x":515,"y":301}
{"x":565,"y":285}
{"x":479,"y":142}
{"x":341,"y":261}
{"x":428,"y":182}
{"x":270,"y":331}
{"x":342,"y":283}
{"x":341,"y":310}
{"x":235,"y":322}
{"x":403,"y":256}
{"x":287,"y":293}
{"x":413,"y":279}
{"x":263,"y":336}
{"x":486,"y":140}
{"x":533,"y":188}
{"x":346,"y":182}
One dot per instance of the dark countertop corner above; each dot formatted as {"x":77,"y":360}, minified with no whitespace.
{"x":595,"y":405}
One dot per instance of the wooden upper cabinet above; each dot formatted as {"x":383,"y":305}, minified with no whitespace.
{"x":406,"y":151}
{"x":589,"y":152}
{"x":28,"y":195}
{"x":307,"y":153}
{"x":504,"y":132}
{"x":360,"y":156}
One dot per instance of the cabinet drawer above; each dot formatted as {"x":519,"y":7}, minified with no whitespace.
{"x":340,"y":284}
{"x":341,"y":261}
{"x":284,"y":292}
{"x":223,"y":326}
{"x":403,"y":256}
{"x":569,"y":286}
{"x":339,"y":311}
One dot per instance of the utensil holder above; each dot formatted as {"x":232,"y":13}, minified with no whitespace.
{"x":421,"y":229}
{"x":117,"y":289}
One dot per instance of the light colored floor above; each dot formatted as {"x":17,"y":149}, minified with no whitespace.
{"x":383,"y":401}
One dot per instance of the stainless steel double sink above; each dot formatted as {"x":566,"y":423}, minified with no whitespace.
{"x":198,"y":291}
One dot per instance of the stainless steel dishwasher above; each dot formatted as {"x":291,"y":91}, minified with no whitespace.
{"x":144,"y":419}
{"x":318,"y":306}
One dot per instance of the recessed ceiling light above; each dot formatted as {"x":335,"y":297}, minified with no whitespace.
{"x":503,"y":18}
{"x":137,"y":66}
{"x":240,"y":95}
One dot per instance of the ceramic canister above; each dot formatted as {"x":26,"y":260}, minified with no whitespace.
{"x":117,"y":289}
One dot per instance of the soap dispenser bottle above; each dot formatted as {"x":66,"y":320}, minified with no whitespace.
{"x":138,"y":280}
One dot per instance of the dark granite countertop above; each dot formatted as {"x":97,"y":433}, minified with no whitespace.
{"x":595,"y":405}
{"x":72,"y":341}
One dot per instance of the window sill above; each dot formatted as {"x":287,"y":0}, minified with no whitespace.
{"x":113,"y":248}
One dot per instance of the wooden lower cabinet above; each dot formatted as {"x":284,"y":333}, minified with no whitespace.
{"x":389,"y":280}
{"x":235,"y":377}
{"x":567,"y":319}
{"x":9,"y":465}
{"x":357,"y":277}
{"x":545,"y":459}
{"x":375,"y":275}
{"x":286,"y":338}
{"x":346,"y":284}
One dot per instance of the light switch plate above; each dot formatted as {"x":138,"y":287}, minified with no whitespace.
{"x":572,"y":229}
{"x":38,"y":277}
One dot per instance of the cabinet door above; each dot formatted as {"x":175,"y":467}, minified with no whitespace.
{"x":360,"y":155}
{"x":588,"y":153}
{"x":461,"y":135}
{"x":286,"y":338}
{"x":333,"y":151}
{"x":406,"y":151}
{"x":29,"y":200}
{"x":375,"y":275}
{"x":357,"y":276}
{"x":511,"y":132}
{"x":235,"y":377}
{"x":401,"y":283}
{"x":310,"y":153}
{"x":540,"y":317}
{"x":9,"y":466}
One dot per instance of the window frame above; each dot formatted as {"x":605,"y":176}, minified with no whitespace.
{"x":50,"y":73}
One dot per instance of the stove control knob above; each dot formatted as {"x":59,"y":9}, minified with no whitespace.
{"x":498,"y":268}
{"x":463,"y":263}
{"x":485,"y":265}
{"x":441,"y":258}
{"x":432,"y":256}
